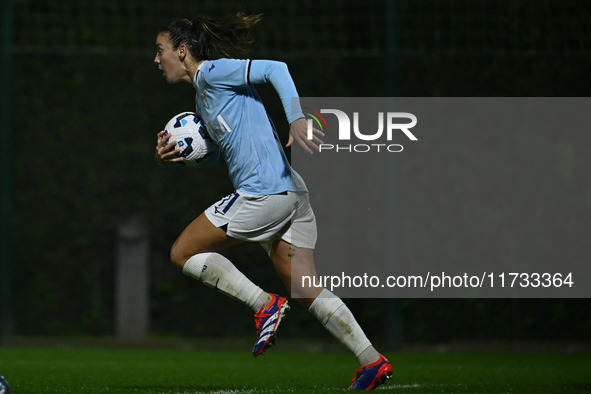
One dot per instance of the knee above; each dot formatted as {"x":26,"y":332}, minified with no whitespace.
{"x":178,"y":256}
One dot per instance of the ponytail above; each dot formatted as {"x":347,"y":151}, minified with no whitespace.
{"x":208,"y":38}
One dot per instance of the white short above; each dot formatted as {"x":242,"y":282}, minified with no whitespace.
{"x":264,"y":219}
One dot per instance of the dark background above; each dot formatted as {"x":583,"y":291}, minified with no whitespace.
{"x":87,"y":102}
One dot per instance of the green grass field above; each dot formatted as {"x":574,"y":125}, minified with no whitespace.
{"x":113,"y":370}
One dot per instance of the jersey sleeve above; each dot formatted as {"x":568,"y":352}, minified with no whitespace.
{"x":226,"y":73}
{"x":276,"y":73}
{"x":235,"y":74}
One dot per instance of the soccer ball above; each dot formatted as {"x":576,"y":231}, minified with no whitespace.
{"x":192,"y":138}
{"x":4,"y":387}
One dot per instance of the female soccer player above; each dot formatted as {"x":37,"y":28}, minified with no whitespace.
{"x":270,"y":204}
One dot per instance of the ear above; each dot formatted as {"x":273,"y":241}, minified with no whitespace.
{"x":182,"y":51}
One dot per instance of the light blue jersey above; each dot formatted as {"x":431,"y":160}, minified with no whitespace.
{"x":238,"y":122}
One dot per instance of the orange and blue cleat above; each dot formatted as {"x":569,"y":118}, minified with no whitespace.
{"x":372,"y":375}
{"x":267,"y":321}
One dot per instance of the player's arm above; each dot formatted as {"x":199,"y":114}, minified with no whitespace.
{"x":167,"y":153}
{"x":277,"y":74}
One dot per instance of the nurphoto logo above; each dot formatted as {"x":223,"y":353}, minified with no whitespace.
{"x":389,"y":124}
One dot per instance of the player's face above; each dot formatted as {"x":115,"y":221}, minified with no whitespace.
{"x":167,"y":59}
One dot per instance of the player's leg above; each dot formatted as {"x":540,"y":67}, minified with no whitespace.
{"x":199,"y":236}
{"x":292,"y":264}
{"x":293,"y":258}
{"x":195,"y":252}
{"x":236,"y":217}
{"x":282,"y":254}
{"x":338,"y":319}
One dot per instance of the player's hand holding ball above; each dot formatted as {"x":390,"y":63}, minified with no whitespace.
{"x":185,"y":141}
{"x":166,"y":151}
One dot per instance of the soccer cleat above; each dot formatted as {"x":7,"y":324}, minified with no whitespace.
{"x":372,"y":375}
{"x":267,"y":321}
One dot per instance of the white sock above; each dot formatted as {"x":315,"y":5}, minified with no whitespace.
{"x":334,"y":315}
{"x":214,"y":270}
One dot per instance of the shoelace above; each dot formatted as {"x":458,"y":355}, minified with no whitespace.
{"x":358,"y":372}
{"x":366,"y":367}
{"x":258,"y":319}
{"x":260,"y":315}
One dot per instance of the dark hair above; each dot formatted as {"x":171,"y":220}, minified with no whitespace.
{"x":208,"y":38}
